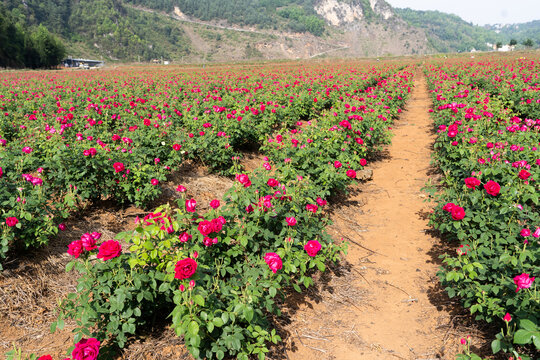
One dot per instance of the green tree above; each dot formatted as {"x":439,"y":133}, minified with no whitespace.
{"x":512,"y":42}
{"x":528,"y":43}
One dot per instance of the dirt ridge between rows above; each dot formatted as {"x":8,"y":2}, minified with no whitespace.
{"x":390,"y":305}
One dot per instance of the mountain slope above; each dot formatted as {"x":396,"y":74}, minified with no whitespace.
{"x":449,"y":33}
{"x":226,"y":30}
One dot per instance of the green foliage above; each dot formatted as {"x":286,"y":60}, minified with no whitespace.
{"x":32,"y":48}
{"x":448,"y":33}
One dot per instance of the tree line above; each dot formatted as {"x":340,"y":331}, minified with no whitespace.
{"x":21,"y":46}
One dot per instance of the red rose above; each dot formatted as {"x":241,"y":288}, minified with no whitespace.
{"x":12,"y":221}
{"x":214,"y":204}
{"x":88,"y":242}
{"x":154,"y":182}
{"x":291,"y":221}
{"x":337,"y":164}
{"x":109,"y":250}
{"x":458,"y":213}
{"x":86,"y":349}
{"x":472,"y":182}
{"x":363,"y":162}
{"x":190,"y":205}
{"x":272,"y":182}
{"x":312,"y":247}
{"x":45,"y":357}
{"x":217,"y":224}
{"x":523,"y":174}
{"x":312,"y":207}
{"x":184,"y":269}
{"x":351,"y":173}
{"x":184,"y":237}
{"x":118,"y":167}
{"x":492,"y":188}
{"x":177,"y":147}
{"x":448,"y":207}
{"x":75,"y":249}
{"x":205,"y":227}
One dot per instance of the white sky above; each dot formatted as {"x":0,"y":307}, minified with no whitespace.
{"x":479,"y":12}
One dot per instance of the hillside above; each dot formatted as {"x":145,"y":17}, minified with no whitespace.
{"x":227,"y":30}
{"x":518,"y":32}
{"x":447,"y":32}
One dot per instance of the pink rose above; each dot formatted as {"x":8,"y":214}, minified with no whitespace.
{"x":181,"y":189}
{"x":312,"y":247}
{"x":154,"y":182}
{"x":311,"y":207}
{"x":86,"y":349}
{"x":249,"y":208}
{"x":184,"y":269}
{"x":45,"y":357}
{"x":190,"y":205}
{"x":458,"y":213}
{"x":274,"y":261}
{"x":75,"y":249}
{"x":1,"y":172}
{"x":363,"y":162}
{"x":109,"y":250}
{"x":525,"y":232}
{"x":62,"y":227}
{"x":321,"y":202}
{"x":88,"y":242}
{"x":492,"y":188}
{"x":291,"y":221}
{"x":12,"y":221}
{"x":337,"y":164}
{"x":523,"y":281}
{"x":184,"y":237}
{"x":351,"y":173}
{"x":243,"y":179}
{"x":177,"y":147}
{"x":214,"y":204}
{"x":118,"y":167}
{"x":217,"y":225}
{"x":507,"y":317}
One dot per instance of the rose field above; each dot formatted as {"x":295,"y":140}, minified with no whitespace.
{"x":319,"y":210}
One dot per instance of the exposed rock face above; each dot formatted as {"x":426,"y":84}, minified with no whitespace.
{"x":339,"y":13}
{"x":382,"y":8}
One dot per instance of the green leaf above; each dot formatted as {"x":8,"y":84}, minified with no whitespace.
{"x":528,"y":325}
{"x":218,"y":322}
{"x":193,"y":328}
{"x":248,"y":313}
{"x":522,"y":337}
{"x":496,"y":346}
{"x":199,"y":300}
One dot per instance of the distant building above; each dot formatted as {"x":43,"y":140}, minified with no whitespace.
{"x":82,"y":63}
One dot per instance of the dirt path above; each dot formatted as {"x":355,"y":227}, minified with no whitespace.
{"x":387,"y":305}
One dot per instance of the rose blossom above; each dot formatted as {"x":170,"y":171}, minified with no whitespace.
{"x":312,"y":207}
{"x":88,"y":242}
{"x":109,"y":250}
{"x":449,"y":206}
{"x":184,"y":237}
{"x":291,"y":221}
{"x":154,"y":182}
{"x":321,"y":202}
{"x":185,"y":268}
{"x":525,"y":232}
{"x":351,"y":173}
{"x":190,"y":205}
{"x":75,"y":249}
{"x":214,"y":204}
{"x":243,"y":179}
{"x":492,"y":188}
{"x":274,"y":261}
{"x":524,"y":174}
{"x":181,"y":189}
{"x":523,"y":281}
{"x":507,"y":317}
{"x":337,"y":164}
{"x":472,"y":182}
{"x":12,"y":221}
{"x":86,"y":349}
{"x":205,"y":227}
{"x":458,"y":213}
{"x":45,"y":357}
{"x":118,"y":167}
{"x":272,"y":182}
{"x":312,"y":247}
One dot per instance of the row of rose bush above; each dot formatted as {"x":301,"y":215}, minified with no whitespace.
{"x":491,"y":166}
{"x":70,"y":138}
{"x":223,"y":275}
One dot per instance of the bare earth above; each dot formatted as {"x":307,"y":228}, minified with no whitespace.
{"x":386,"y":307}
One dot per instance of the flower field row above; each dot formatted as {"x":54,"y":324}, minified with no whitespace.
{"x":223,"y":274}
{"x":70,"y":138}
{"x":488,"y":148}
